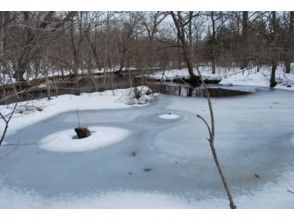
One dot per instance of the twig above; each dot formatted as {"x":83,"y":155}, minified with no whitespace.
{"x":211,"y":130}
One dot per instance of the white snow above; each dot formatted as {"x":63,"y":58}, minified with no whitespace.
{"x":64,"y":142}
{"x":169,"y":116}
{"x":111,"y":99}
{"x":235,"y":76}
{"x":145,"y":96}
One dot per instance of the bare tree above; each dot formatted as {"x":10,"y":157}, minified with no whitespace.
{"x":34,"y":39}
{"x":6,"y":119}
{"x":91,"y":34}
{"x":151,"y":22}
{"x":181,"y":21}
{"x":213,"y":41}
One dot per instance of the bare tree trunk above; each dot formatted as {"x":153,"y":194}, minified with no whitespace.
{"x":289,"y":44}
{"x":75,"y":50}
{"x":178,"y":21}
{"x":4,"y":19}
{"x":179,"y":57}
{"x":245,"y":42}
{"x":274,"y":54}
{"x":184,"y":45}
{"x":94,"y":50}
{"x":213,"y":42}
{"x":273,"y":82}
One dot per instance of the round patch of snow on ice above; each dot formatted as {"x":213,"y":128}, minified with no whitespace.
{"x":66,"y":141}
{"x":169,"y":116}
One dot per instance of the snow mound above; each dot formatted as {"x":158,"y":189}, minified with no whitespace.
{"x":141,"y":96}
{"x":65,"y":141}
{"x":169,"y":116}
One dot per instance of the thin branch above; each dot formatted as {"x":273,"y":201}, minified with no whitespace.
{"x":211,"y":142}
{"x":205,"y":122}
{"x":6,"y":123}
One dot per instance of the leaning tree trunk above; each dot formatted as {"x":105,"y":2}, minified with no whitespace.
{"x":194,"y":80}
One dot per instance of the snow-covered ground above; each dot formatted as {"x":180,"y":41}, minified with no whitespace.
{"x":160,"y":163}
{"x":43,"y":109}
{"x":235,"y":76}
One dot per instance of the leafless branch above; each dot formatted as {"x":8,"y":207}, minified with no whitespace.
{"x":6,"y":121}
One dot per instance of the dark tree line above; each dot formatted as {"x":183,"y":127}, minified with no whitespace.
{"x":34,"y":44}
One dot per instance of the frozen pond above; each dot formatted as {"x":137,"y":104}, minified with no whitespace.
{"x":254,"y":136}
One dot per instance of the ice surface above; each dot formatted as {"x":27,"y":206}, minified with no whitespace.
{"x":162,"y":163}
{"x":65,"y":141}
{"x":115,"y":199}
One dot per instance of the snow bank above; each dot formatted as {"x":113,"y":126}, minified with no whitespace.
{"x":65,"y":142}
{"x":261,"y":78}
{"x":183,"y":73}
{"x":169,"y":116}
{"x":234,"y":76}
{"x":43,"y":108}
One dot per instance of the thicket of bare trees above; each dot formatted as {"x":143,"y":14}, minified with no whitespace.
{"x":33,"y":44}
